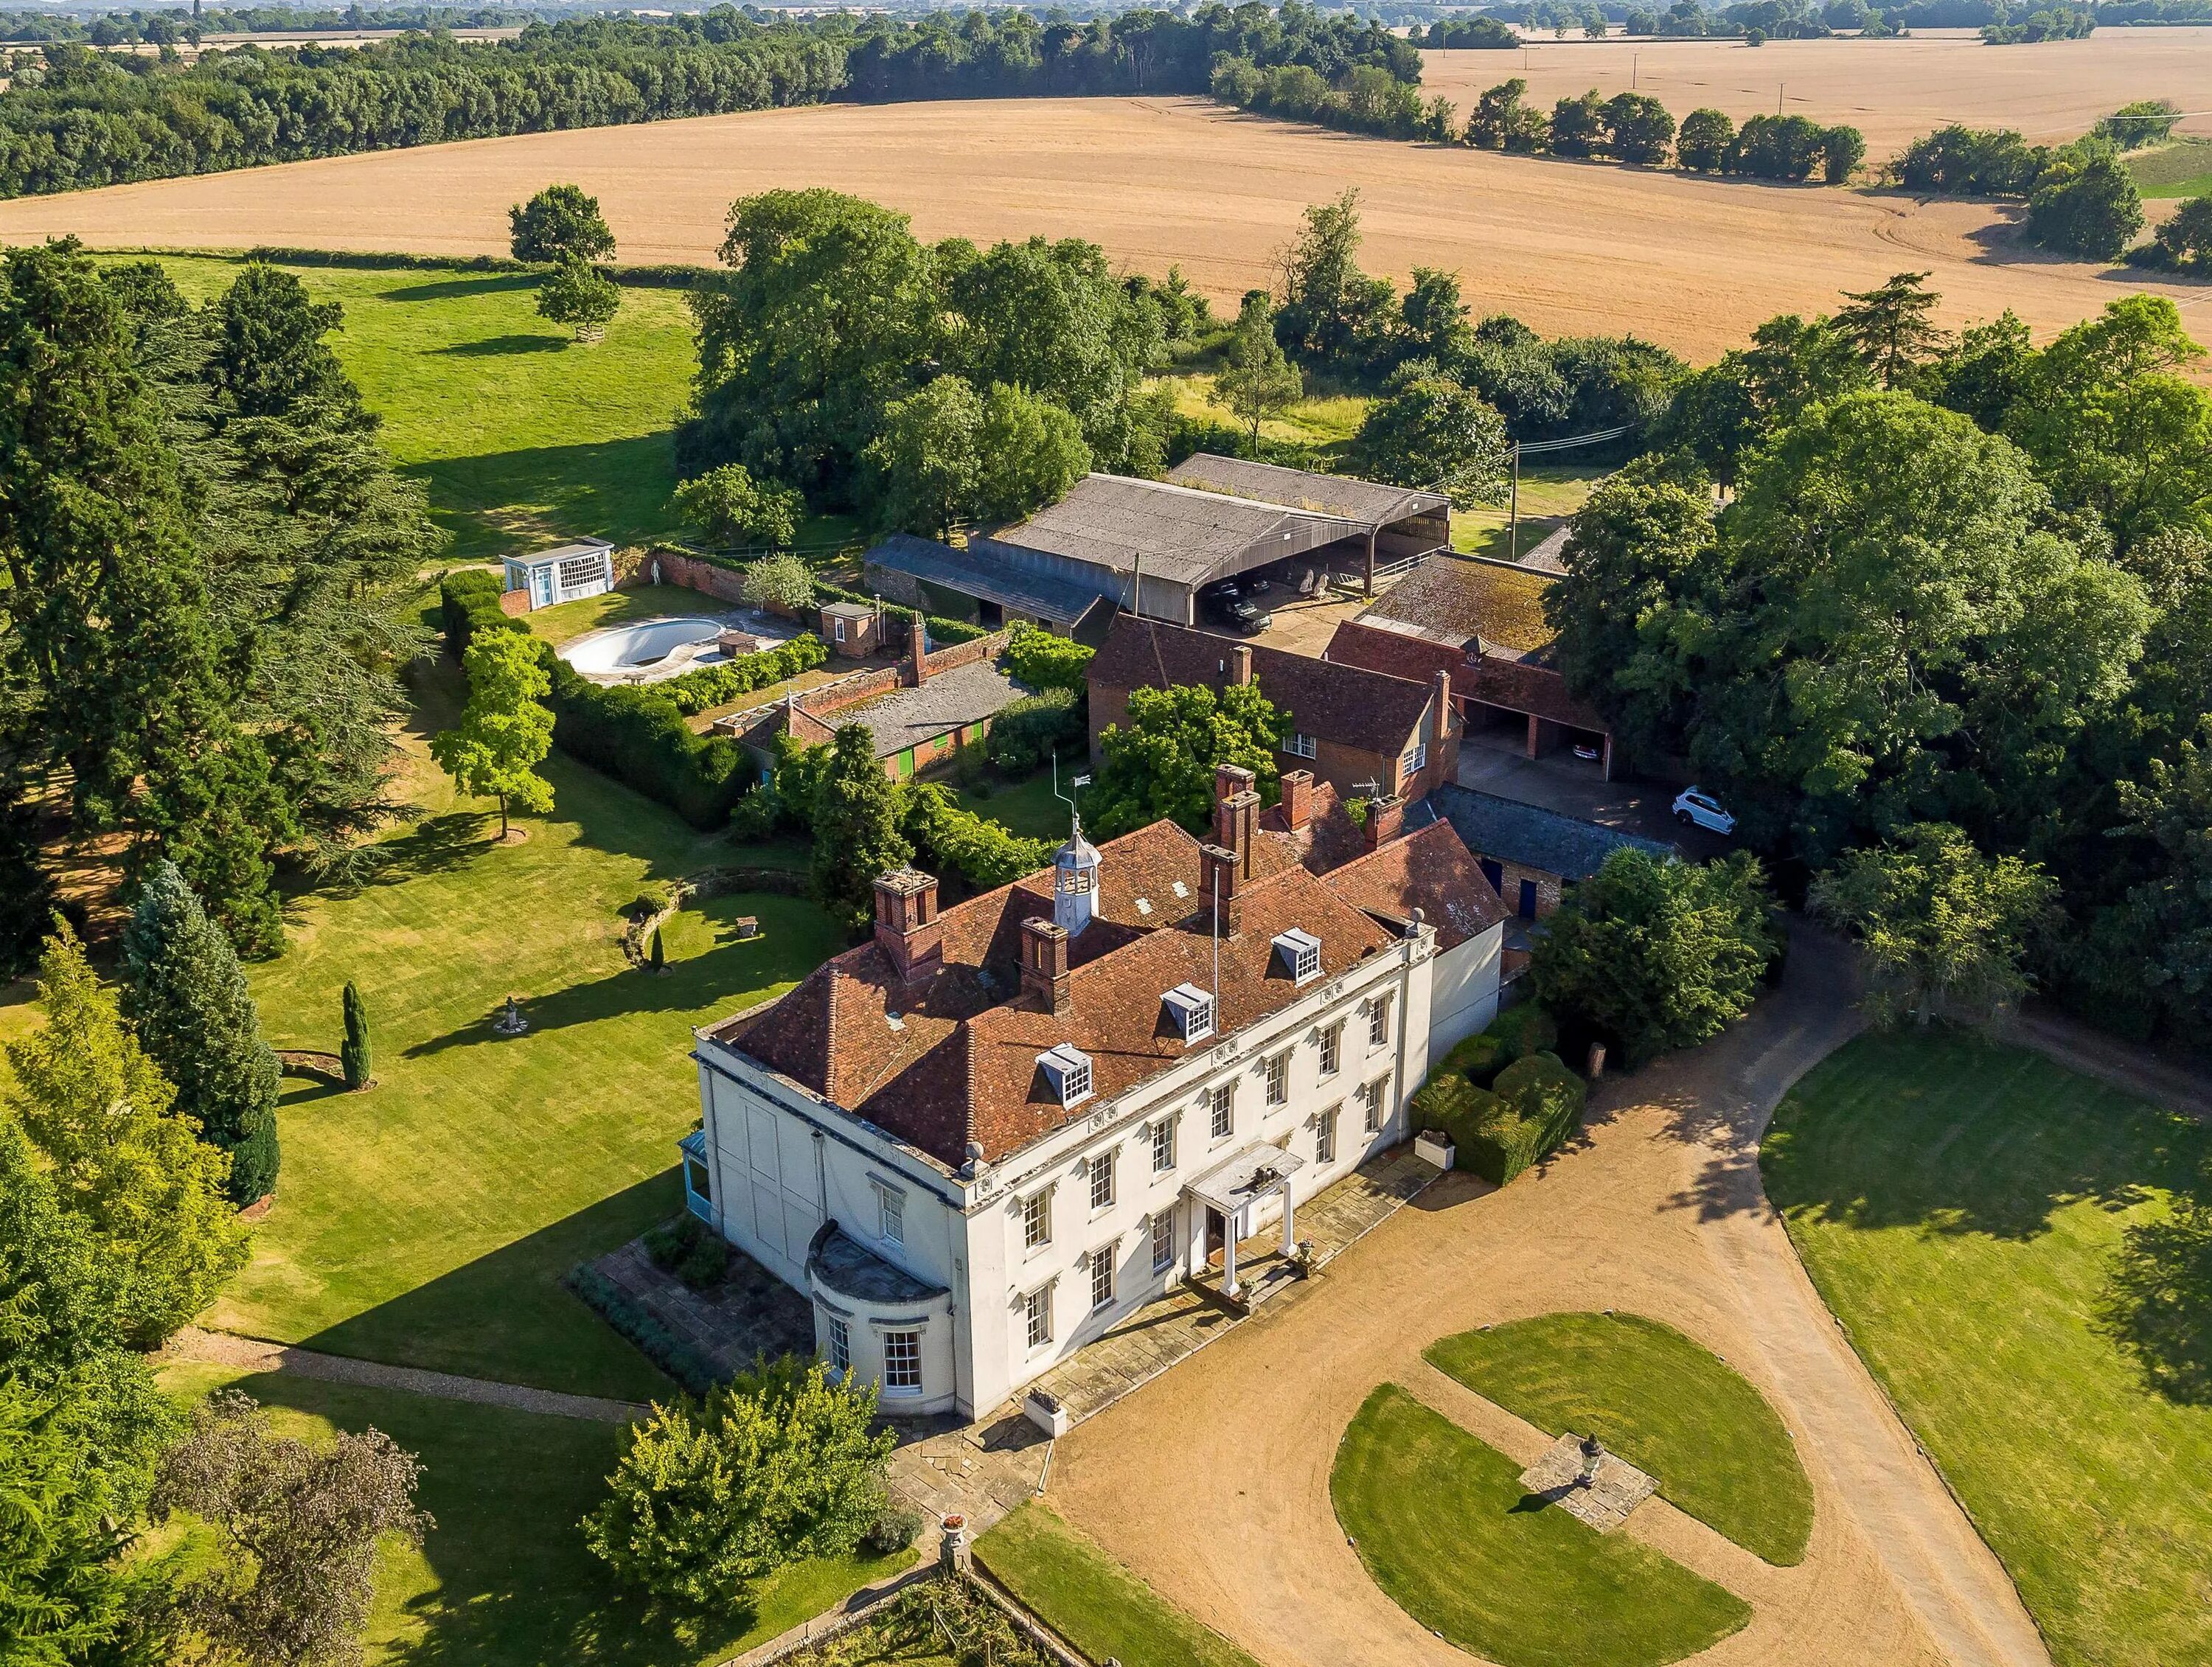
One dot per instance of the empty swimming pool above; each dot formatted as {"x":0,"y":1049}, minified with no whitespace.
{"x":653,"y":648}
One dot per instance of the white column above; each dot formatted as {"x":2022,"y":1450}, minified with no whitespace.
{"x":1289,"y":1239}
{"x":1229,"y":1258}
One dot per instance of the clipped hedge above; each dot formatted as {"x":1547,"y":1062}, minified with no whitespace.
{"x":696,"y":691}
{"x":635,"y":735}
{"x":1524,"y":1030}
{"x":1479,"y":1058}
{"x":1525,"y":1115}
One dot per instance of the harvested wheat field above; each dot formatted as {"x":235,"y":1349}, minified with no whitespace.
{"x":1690,"y":262}
{"x":1892,"y":91}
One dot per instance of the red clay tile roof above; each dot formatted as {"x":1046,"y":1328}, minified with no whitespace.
{"x":961,"y":1065}
{"x":1330,"y":838}
{"x":1518,"y":685}
{"x":1345,"y":704}
{"x":1457,"y":599}
{"x":1430,"y":870}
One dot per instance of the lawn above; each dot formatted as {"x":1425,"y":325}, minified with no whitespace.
{"x":1442,"y":1523}
{"x":1958,"y":1206}
{"x":522,"y":435}
{"x":429,"y":1220}
{"x":503,"y":1580}
{"x":2181,"y":169}
{"x":1550,"y":495}
{"x":1093,"y":1602}
{"x":1668,"y":1406}
{"x":1029,"y":807}
{"x":1323,"y":424}
{"x":566,"y":621}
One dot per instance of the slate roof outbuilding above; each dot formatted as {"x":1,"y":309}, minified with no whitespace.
{"x":1508,"y":830}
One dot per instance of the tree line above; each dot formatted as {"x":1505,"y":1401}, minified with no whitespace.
{"x":1947,"y":643}
{"x":1628,"y":127}
{"x":924,"y":385}
{"x":72,"y":118}
{"x":207,"y":552}
{"x":2080,"y":197}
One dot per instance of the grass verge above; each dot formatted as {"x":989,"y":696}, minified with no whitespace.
{"x":1442,"y":1523}
{"x":1091,"y":1600}
{"x":1670,"y":1408}
{"x":1959,"y":1206}
{"x":503,"y":1580}
{"x":1027,"y":808}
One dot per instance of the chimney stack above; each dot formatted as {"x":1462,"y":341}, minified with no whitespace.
{"x":1297,"y":799}
{"x":1235,"y":814}
{"x":1386,"y":819}
{"x":1044,"y":965}
{"x":917,"y":650}
{"x":1240,"y":665}
{"x":1442,"y":729}
{"x":905,"y":918}
{"x":1218,"y":867}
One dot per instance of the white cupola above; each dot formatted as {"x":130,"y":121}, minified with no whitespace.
{"x":1074,"y":882}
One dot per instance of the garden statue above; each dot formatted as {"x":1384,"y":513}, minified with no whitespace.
{"x":510,"y":1021}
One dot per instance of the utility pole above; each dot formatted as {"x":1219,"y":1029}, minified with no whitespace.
{"x":1513,"y":536}
{"x":1778,"y":86}
{"x":1634,"y":58}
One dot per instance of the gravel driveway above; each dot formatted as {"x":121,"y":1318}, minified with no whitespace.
{"x":1213,"y":1481}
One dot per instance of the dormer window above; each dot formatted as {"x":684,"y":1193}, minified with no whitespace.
{"x":1068,"y":1069}
{"x":1192,"y":1009}
{"x":1301,"y":953}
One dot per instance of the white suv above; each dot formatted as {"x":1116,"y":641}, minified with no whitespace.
{"x":1694,"y":806}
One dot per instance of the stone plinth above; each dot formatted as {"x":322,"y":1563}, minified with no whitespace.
{"x":1617,"y":1489}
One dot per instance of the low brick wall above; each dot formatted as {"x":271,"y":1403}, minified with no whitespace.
{"x":692,"y":574}
{"x":966,"y":654}
{"x":514,"y":603}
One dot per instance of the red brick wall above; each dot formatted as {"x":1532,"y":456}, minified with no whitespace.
{"x":514,"y":603}
{"x":689,"y":571}
{"x":966,"y":654}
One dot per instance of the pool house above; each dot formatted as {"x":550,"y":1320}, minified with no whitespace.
{"x":563,"y":573}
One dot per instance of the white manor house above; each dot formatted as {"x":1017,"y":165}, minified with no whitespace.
{"x":977,"y":1141}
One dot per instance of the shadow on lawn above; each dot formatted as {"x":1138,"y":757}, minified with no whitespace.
{"x":2157,"y":1302}
{"x":500,"y":347}
{"x":732,"y":965}
{"x":507,"y":1316}
{"x":1945,"y":1131}
{"x":448,"y":289}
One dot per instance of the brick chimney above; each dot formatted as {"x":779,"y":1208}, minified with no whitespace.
{"x":1386,"y":820}
{"x":905,"y":918}
{"x":917,"y":651}
{"x":1044,"y":965}
{"x":1443,"y":726}
{"x":1219,"y":866}
{"x":1297,"y":799}
{"x":1240,"y":665}
{"x":1235,"y":815}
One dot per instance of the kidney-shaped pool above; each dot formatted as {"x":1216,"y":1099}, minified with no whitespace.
{"x":629,"y":650}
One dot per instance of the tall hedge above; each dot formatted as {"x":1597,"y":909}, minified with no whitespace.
{"x":635,"y":734}
{"x":1499,"y":1132}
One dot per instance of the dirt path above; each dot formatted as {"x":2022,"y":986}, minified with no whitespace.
{"x":1212,"y":1482}
{"x":224,"y":1348}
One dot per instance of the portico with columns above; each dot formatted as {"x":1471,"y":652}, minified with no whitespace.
{"x":1237,"y":1193}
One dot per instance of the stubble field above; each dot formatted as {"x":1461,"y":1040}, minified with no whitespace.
{"x":1569,"y":248}
{"x":1892,"y":91}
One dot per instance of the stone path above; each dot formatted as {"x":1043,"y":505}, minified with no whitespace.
{"x":1656,"y":1209}
{"x":979,"y":1470}
{"x":1136,"y":1350}
{"x":749,"y":1314}
{"x":223,"y":1350}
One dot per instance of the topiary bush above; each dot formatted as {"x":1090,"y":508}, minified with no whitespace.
{"x":1543,"y":1092}
{"x":1524,"y":1030}
{"x":1479,"y":1058}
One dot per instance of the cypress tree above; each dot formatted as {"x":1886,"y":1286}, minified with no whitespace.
{"x":187,"y":995}
{"x":654,"y":956}
{"x":355,"y":1054}
{"x":856,"y":828}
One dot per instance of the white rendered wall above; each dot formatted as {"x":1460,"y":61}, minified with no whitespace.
{"x":1464,"y":999}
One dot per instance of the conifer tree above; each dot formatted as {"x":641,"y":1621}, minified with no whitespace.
{"x":856,"y":827}
{"x":354,"y":1054}
{"x":656,"y":957}
{"x":197,"y":1019}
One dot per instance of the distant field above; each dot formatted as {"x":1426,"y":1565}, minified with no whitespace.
{"x":1892,"y":91}
{"x":1694,"y":263}
{"x":2174,"y":170}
